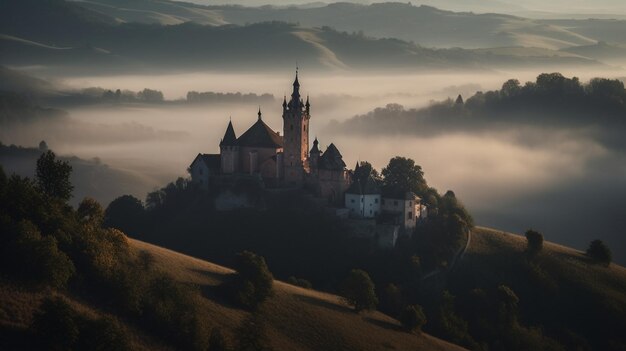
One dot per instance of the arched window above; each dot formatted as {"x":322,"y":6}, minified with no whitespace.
{"x":305,"y":128}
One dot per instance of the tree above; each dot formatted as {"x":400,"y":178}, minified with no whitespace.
{"x":413,"y":318}
{"x":125,"y":213}
{"x":535,"y":240}
{"x":511,"y":88}
{"x":90,"y":211}
{"x":402,"y":175}
{"x":53,"y":176}
{"x":150,"y":95}
{"x":600,"y":252}
{"x":358,"y":290}
{"x":253,"y":282}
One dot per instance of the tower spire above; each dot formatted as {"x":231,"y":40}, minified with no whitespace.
{"x":259,"y":114}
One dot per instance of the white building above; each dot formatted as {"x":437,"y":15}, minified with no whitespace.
{"x":363,"y":200}
{"x":404,"y":209}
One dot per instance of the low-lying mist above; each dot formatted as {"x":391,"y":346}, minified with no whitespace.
{"x":561,"y":181}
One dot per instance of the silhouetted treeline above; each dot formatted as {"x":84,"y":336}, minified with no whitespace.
{"x":212,"y":97}
{"x":552,"y":101}
{"x":21,"y":108}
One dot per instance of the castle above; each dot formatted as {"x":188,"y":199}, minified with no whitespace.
{"x":280,"y":161}
{"x":286,"y":161}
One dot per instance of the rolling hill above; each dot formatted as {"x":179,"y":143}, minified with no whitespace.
{"x":560,"y":288}
{"x":296,"y":318}
{"x":425,"y":25}
{"x":88,"y":40}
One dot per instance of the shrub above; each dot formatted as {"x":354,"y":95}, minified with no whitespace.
{"x":54,"y":326}
{"x":58,"y":327}
{"x":599,"y":252}
{"x":413,"y":318}
{"x":303,"y":283}
{"x":253,"y":282}
{"x":358,"y":290}
{"x":29,"y":256}
{"x":171,"y":308}
{"x":535,"y":240}
{"x":102,"y":334}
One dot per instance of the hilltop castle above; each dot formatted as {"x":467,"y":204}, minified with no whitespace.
{"x":281,"y":161}
{"x":286,"y":161}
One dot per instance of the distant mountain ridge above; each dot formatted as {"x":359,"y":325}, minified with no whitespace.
{"x":425,"y":25}
{"x":81,"y":39}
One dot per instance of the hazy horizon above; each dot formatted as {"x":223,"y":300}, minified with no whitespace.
{"x":503,"y":181}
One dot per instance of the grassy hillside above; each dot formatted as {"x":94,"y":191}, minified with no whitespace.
{"x":296,"y":318}
{"x":299,"y":318}
{"x":559,"y":289}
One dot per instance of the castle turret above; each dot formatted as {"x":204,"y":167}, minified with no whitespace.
{"x":314,"y":155}
{"x":229,"y":151}
{"x":296,"y":137}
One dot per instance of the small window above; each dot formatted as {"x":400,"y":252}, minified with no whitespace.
{"x":352,"y":200}
{"x":376,"y":200}
{"x":291,"y":126}
{"x":370,"y":211}
{"x":305,"y":128}
{"x":409,"y":215}
{"x":361,"y":200}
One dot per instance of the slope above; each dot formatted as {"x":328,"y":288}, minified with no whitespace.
{"x":428,"y":26}
{"x":299,"y":318}
{"x":559,"y":289}
{"x":84,"y":40}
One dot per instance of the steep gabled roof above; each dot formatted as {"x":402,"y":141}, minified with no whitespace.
{"x":331,"y":159}
{"x":355,"y":188}
{"x":260,"y":135}
{"x":229,"y":137}
{"x":369,"y":187}
{"x":212,"y":161}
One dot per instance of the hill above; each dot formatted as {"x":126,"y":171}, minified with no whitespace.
{"x":425,"y":25}
{"x":88,"y":40}
{"x":297,"y":318}
{"x":90,"y":177}
{"x":559,"y":289}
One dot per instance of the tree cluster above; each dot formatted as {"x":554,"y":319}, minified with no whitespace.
{"x":45,"y":242}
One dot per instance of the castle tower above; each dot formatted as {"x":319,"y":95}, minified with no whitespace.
{"x":314,"y":155}
{"x":295,"y":137}
{"x":229,"y":151}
